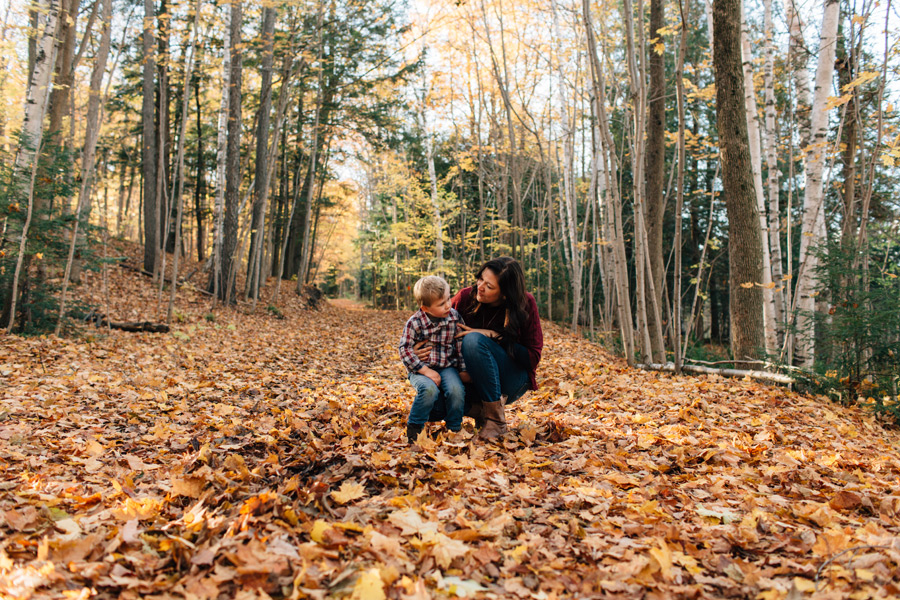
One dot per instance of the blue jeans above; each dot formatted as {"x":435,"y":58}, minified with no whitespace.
{"x":493,"y":372}
{"x":450,"y":397}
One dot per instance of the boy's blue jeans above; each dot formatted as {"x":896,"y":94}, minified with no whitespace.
{"x":451,"y":395}
{"x":493,"y":373}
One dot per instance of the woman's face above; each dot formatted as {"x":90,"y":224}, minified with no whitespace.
{"x":488,"y":289}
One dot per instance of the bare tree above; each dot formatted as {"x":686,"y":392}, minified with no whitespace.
{"x":813,"y":222}
{"x":744,"y":236}
{"x":149,"y":154}
{"x":257,"y":226}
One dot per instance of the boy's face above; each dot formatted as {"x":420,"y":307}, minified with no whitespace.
{"x":440,"y":308}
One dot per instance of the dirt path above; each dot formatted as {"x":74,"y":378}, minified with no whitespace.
{"x":251,"y":455}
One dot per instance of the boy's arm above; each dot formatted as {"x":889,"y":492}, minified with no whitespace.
{"x":407,"y":352}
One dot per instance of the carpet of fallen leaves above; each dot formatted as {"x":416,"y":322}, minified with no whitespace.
{"x":256,"y":456}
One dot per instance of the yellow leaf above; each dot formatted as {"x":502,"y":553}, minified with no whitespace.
{"x":369,"y":586}
{"x":659,"y":48}
{"x":348,"y":492}
{"x":747,"y":285}
{"x":517,"y":553}
{"x":318,"y":531}
{"x":866,"y":575}
{"x":39,"y":255}
{"x":664,"y":557}
{"x":864,"y":78}
{"x":835,"y":101}
{"x":804,"y":585}
{"x":887,"y":160}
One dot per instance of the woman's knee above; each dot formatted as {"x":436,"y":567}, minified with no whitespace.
{"x":473,"y":343}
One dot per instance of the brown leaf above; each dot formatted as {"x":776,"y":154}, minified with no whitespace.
{"x":845,"y":500}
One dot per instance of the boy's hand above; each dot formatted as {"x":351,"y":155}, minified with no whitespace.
{"x":431,"y":374}
{"x":465,"y":377}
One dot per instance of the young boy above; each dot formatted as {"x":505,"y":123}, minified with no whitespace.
{"x":436,"y":323}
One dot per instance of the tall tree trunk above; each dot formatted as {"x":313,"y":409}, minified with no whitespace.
{"x":233,"y":158}
{"x":149,"y":151}
{"x":771,"y":334}
{"x":813,"y":222}
{"x":611,"y":168}
{"x":679,"y":201}
{"x":179,"y":160}
{"x":65,"y":76}
{"x":774,"y":173}
{"x":200,"y":183}
{"x":216,"y":280}
{"x":744,"y":236}
{"x":92,"y":131}
{"x":655,"y":166}
{"x":36,"y":100}
{"x":323,"y":99}
{"x":257,"y":225}
{"x":798,"y":57}
{"x":846,"y":55}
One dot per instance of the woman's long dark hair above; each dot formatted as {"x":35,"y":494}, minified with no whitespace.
{"x":511,"y":280}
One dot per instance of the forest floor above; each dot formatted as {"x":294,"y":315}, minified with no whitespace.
{"x":259,"y":455}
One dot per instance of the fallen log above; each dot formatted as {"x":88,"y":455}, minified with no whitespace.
{"x":100,"y":320}
{"x":136,"y":326}
{"x":759,"y":375}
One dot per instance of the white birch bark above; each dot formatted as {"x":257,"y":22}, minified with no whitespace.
{"x":797,"y":61}
{"x":813,"y":223}
{"x":36,"y":100}
{"x":221,"y":152}
{"x":614,"y":200}
{"x":771,"y":338}
{"x":568,"y":207}
{"x":773,"y":175}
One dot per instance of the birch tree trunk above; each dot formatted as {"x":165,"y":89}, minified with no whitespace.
{"x":36,"y":100}
{"x":744,"y":235}
{"x":813,"y":222}
{"x":90,"y":145}
{"x":215,"y":282}
{"x":770,"y":142}
{"x":771,"y":337}
{"x":611,"y":168}
{"x":568,"y":203}
{"x":798,"y":57}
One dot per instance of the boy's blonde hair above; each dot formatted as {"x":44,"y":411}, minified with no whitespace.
{"x":430,"y":289}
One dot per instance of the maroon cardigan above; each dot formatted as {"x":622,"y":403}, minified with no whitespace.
{"x":492,"y":317}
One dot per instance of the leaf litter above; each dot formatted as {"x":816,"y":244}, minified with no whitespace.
{"x":254,"y":457}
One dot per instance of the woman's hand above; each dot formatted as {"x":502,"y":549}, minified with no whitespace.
{"x":422,"y":350}
{"x":485,"y":332}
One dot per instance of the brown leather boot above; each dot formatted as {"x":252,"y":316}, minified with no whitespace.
{"x":476,"y":411}
{"x":495,"y":420}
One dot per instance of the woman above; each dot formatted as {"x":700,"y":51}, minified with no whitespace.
{"x":502,"y":342}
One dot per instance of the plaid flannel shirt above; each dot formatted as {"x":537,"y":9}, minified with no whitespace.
{"x":446,"y":349}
